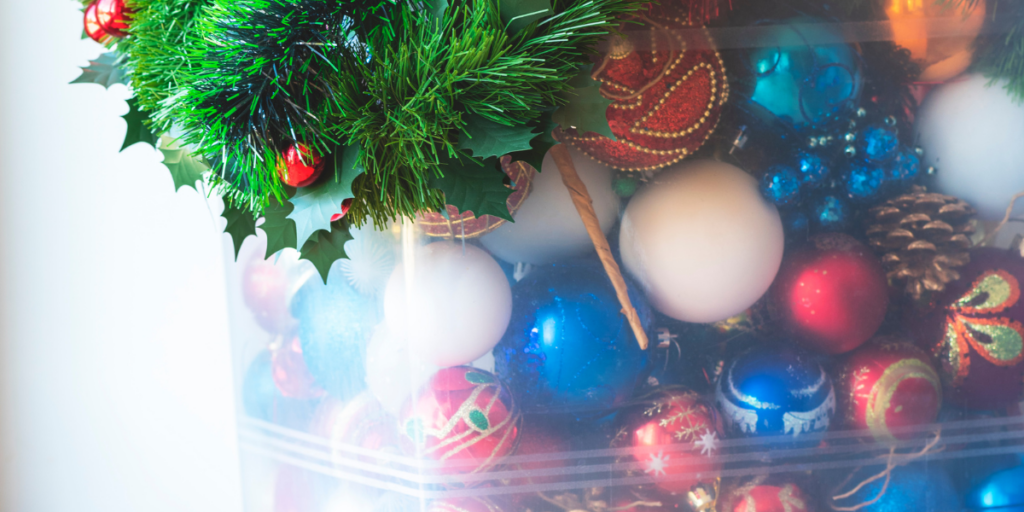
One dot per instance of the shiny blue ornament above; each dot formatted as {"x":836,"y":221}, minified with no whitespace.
{"x":813,"y":171}
{"x":775,"y":390}
{"x":878,"y":143}
{"x":1000,"y":491}
{"x":335,"y":324}
{"x":911,"y":488}
{"x":864,"y":182}
{"x":829,"y":213}
{"x":262,"y":400}
{"x":801,"y":83}
{"x":781,"y":185}
{"x":568,"y":349}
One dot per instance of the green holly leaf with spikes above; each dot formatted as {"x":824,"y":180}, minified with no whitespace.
{"x":241,"y":224}
{"x":474,"y":186}
{"x":540,"y":144}
{"x":185,"y":168}
{"x":485,"y":138}
{"x":518,"y":14}
{"x":137,"y":129}
{"x":105,"y":70}
{"x":326,"y":247}
{"x":586,"y":110}
{"x":314,"y":206}
{"x":279,"y":228}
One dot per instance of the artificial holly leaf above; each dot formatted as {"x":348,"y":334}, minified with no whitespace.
{"x":472,"y":186}
{"x":185,"y":168}
{"x":241,"y":224}
{"x":539,"y":145}
{"x":279,"y":228}
{"x":105,"y":70}
{"x":485,"y":138}
{"x":517,"y":14}
{"x":326,"y":247}
{"x":137,"y":129}
{"x":314,"y":206}
{"x":586,"y":110}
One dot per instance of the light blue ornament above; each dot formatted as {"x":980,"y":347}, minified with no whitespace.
{"x":1003,"y":491}
{"x":262,"y":400}
{"x":916,"y":487}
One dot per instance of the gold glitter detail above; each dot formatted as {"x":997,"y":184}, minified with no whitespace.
{"x":1007,"y":339}
{"x":999,"y":288}
{"x":953,"y":356}
{"x":880,"y":398}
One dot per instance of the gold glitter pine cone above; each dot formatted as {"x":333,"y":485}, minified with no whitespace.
{"x":922,"y":238}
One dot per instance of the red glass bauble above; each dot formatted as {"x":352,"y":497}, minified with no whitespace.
{"x":265,"y":291}
{"x":357,"y":430}
{"x":976,"y":332}
{"x":667,"y":85}
{"x":92,"y":25}
{"x":771,"y":498}
{"x":464,"y":505}
{"x":291,"y":375}
{"x":345,"y":206}
{"x":672,"y":434}
{"x":832,"y":295}
{"x":464,"y":418}
{"x":113,"y":16}
{"x":889,"y":385}
{"x":301,"y":166}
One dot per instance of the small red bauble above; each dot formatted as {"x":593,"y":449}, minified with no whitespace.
{"x":832,"y":295}
{"x":265,"y":291}
{"x":112,"y":16}
{"x":301,"y":166}
{"x":92,"y":25}
{"x":345,"y":206}
{"x":889,"y":385}
{"x":976,"y":332}
{"x":771,"y":498}
{"x":464,"y":505}
{"x":361,"y":422}
{"x":673,"y":435}
{"x":464,"y":418}
{"x":666,"y":96}
{"x":290,"y":373}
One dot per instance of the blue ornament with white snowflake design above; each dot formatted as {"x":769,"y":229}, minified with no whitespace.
{"x":775,"y":390}
{"x":781,"y":185}
{"x":864,"y":183}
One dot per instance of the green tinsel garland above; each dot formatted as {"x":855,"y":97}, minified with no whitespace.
{"x":999,"y":53}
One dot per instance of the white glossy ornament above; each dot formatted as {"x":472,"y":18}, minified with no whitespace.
{"x":393,"y":372}
{"x":972,"y":132}
{"x":451,"y":302}
{"x":702,"y":241}
{"x":547,"y":227}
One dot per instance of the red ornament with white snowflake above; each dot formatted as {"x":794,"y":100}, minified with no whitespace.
{"x":300,"y":166}
{"x":771,"y":498}
{"x":674,"y":436}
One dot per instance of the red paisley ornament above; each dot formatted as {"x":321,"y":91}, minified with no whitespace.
{"x":667,"y":96}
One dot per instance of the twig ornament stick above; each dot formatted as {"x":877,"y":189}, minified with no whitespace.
{"x":585,"y":208}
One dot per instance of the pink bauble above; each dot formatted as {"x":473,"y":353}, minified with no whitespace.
{"x":265,"y":291}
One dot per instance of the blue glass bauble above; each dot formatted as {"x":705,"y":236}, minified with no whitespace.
{"x":335,"y":324}
{"x":802,"y":83}
{"x":906,"y":166}
{"x":829,"y":213}
{"x":568,"y":349}
{"x":774,"y":390}
{"x":999,"y":492}
{"x":813,"y":171}
{"x":864,"y":182}
{"x":914,"y":487}
{"x":262,"y":400}
{"x":878,"y":143}
{"x":781,"y":185}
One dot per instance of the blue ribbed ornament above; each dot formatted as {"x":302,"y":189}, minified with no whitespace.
{"x":813,"y":170}
{"x":829,"y":213}
{"x":878,"y":143}
{"x":781,"y":185}
{"x":864,"y":182}
{"x":774,"y":390}
{"x":568,"y":349}
{"x":1000,"y":491}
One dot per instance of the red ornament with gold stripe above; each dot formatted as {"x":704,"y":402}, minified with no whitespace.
{"x":674,"y":436}
{"x":667,"y":84}
{"x":464,"y":505}
{"x":888,"y":384}
{"x":463,"y":418}
{"x":467,"y":225}
{"x":772,"y":498}
{"x":977,"y":334}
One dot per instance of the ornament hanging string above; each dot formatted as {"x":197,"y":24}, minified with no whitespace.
{"x":886,"y":473}
{"x":1006,"y":220}
{"x":585,"y":207}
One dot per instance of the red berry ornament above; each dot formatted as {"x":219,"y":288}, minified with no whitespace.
{"x":670,"y":434}
{"x":463,"y":418}
{"x":301,"y":166}
{"x":832,"y":295}
{"x":113,"y":17}
{"x":464,"y":505}
{"x":92,"y":25}
{"x":888,"y":385}
{"x":345,"y":205}
{"x":771,"y":498}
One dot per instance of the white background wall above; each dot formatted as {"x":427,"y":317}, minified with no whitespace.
{"x":114,"y":360}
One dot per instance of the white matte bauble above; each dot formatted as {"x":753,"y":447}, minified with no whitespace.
{"x":702,"y":241}
{"x":393,"y":372}
{"x":972,"y":132}
{"x":547,"y":227}
{"x":451,"y":302}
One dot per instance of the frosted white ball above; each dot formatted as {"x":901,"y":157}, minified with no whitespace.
{"x":547,"y":227}
{"x":702,"y":241}
{"x":973,"y":134}
{"x":393,"y":372}
{"x":454,"y":305}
